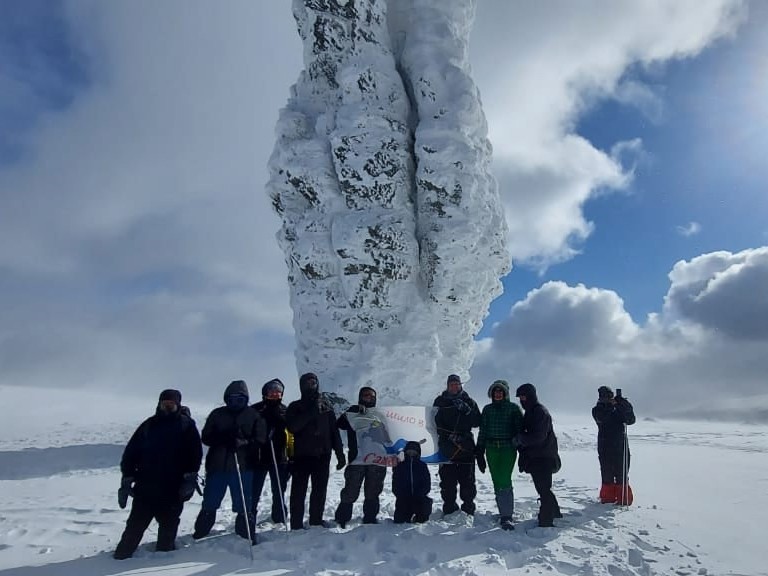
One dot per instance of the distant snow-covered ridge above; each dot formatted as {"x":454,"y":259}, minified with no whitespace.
{"x":393,"y":228}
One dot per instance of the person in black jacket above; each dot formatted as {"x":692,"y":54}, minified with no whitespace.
{"x":159,"y":468}
{"x":234,"y":434}
{"x":355,"y":474}
{"x":613,"y":414}
{"x":537,"y":445}
{"x":411,"y":484}
{"x":272,"y":458}
{"x":456,"y":415}
{"x":312,"y":422}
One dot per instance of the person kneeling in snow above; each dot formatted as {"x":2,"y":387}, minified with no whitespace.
{"x":159,"y":467}
{"x":613,"y":415}
{"x":411,"y":484}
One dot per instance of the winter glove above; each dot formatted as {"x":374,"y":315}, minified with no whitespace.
{"x":125,"y":490}
{"x":461,"y":406}
{"x":481,"y":464}
{"x":341,"y":461}
{"x":188,"y":486}
{"x":238,"y":443}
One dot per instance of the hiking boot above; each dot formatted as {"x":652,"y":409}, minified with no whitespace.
{"x":506,"y":523}
{"x":450,"y":508}
{"x":468,"y":508}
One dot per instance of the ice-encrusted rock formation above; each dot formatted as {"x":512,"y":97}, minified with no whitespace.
{"x":393,"y":228}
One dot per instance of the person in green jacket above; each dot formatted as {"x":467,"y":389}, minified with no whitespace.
{"x":501,"y":422}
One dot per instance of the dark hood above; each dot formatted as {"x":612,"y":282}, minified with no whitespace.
{"x":307,"y":391}
{"x":236,"y":387}
{"x":529,"y":391}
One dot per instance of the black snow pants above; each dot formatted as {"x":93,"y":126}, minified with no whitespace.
{"x":463,"y":475}
{"x":355,"y":476}
{"x":612,"y":463}
{"x":541,"y":474}
{"x":412,"y":509}
{"x":142,"y":514}
{"x":304,"y":469}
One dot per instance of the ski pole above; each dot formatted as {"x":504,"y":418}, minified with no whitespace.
{"x":624,"y":471}
{"x":279,"y":485}
{"x":245,"y":510}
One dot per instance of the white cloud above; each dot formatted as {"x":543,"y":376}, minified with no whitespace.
{"x":144,"y":203}
{"x":136,"y":243}
{"x":540,"y":66}
{"x":690,"y":229}
{"x":711,"y":336}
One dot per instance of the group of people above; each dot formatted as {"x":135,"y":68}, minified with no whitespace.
{"x":246,"y":443}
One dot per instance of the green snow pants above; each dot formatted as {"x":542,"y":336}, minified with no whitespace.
{"x":501,"y":462}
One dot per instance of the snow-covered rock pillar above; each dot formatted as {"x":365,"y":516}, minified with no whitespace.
{"x":392,"y":225}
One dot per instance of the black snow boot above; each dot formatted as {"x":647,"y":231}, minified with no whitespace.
{"x":241,"y":528}
{"x":203,"y":524}
{"x":506,"y":523}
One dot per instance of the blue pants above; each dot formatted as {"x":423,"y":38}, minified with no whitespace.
{"x":216,"y":484}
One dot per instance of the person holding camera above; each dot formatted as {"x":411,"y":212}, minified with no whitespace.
{"x":613,"y":413}
{"x":159,"y":468}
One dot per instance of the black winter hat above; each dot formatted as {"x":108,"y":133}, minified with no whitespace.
{"x":604,"y":393}
{"x":453,"y":378}
{"x":528,"y":390}
{"x":274,"y":384}
{"x":414,"y":446}
{"x":171,"y":394}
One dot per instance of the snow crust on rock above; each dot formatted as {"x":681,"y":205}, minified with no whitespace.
{"x":393,"y":229}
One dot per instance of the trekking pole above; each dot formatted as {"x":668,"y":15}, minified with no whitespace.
{"x":624,"y":471}
{"x":245,"y":511}
{"x":279,"y":485}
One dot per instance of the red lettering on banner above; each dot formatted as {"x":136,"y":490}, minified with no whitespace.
{"x":386,"y":460}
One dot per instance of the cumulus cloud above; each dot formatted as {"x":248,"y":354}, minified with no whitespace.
{"x":136,"y":243}
{"x":556,"y":60}
{"x":723,"y":292}
{"x":690,"y":229}
{"x":708,"y":343}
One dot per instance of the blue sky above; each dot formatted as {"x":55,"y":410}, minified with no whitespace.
{"x":43,"y":68}
{"x":701,"y":162}
{"x":137,"y":244}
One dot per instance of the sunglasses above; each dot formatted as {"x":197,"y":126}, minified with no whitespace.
{"x":274,"y":394}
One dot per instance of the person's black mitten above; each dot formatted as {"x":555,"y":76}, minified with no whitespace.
{"x":125,"y":490}
{"x":188,"y":486}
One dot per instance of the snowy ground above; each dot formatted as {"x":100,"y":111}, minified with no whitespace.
{"x":701,"y":491}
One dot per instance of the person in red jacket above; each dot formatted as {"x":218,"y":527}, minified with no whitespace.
{"x":613,"y":414}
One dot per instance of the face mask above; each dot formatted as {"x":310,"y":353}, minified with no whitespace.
{"x":236,"y":401}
